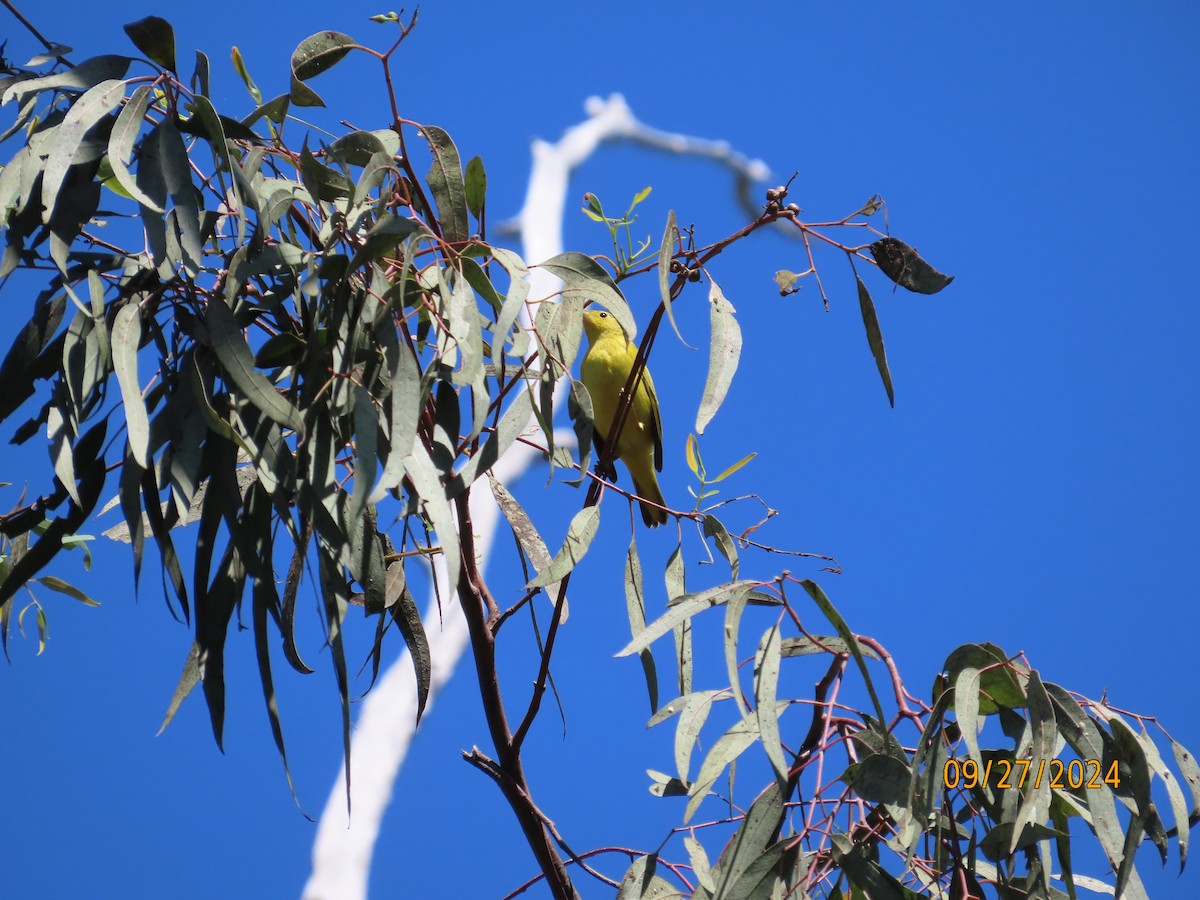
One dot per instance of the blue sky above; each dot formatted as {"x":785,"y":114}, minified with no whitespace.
{"x":1034,"y":486}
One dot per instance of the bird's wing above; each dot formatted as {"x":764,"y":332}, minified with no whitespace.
{"x":655,"y":422}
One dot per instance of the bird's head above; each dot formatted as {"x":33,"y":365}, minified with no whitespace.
{"x":598,"y":323}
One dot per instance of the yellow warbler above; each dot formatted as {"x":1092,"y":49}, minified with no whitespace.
{"x":604,"y":371}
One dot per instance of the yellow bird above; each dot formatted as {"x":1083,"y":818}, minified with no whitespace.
{"x":604,"y":372}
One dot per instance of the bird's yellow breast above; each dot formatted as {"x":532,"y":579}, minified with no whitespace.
{"x":604,"y":372}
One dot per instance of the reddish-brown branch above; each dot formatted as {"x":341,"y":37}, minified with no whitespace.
{"x":511,"y":774}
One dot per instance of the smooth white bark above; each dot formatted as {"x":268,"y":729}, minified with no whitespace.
{"x":344,"y":846}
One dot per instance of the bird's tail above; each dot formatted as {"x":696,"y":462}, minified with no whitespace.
{"x":651,"y":515}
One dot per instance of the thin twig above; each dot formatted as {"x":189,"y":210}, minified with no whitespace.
{"x":51,"y":47}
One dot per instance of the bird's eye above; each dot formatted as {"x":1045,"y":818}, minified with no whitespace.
{"x":604,"y":315}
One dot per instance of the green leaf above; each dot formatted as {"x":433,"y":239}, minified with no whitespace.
{"x":408,"y":618}
{"x":728,"y":747}
{"x":54,"y":51}
{"x":81,"y":118}
{"x":161,"y":532}
{"x":879,"y":778}
{"x":700,"y":863}
{"x":750,"y":840}
{"x":583,"y":416}
{"x":1191,"y":771}
{"x":561,"y":335}
{"x":836,"y":620}
{"x":22,"y":119}
{"x":1002,"y":680}
{"x":966,"y":712}
{"x":288,"y":603}
{"x":126,"y":337}
{"x":16,"y":372}
{"x":323,"y":182}
{"x":265,"y":600}
{"x":1085,"y":739}
{"x":875,"y":338}
{"x":692,"y":453}
{"x":383,"y":238}
{"x":737,"y":465}
{"x":359,"y":147}
{"x":366,"y":442}
{"x":61,"y":587}
{"x":58,"y":430}
{"x":239,"y":66}
{"x":733,"y":621}
{"x":903,"y":265}
{"x":475,"y":183}
{"x":445,"y":179}
{"x":333,"y":592}
{"x":461,"y":315}
{"x":635,"y":606}
{"x":640,"y":882}
{"x":666,"y":252}
{"x":724,"y":352}
{"x":526,"y":535}
{"x":121,"y":141}
{"x":405,"y":409}
{"x":283,"y":349}
{"x":188,"y":680}
{"x":200,"y":77}
{"x":766,"y":682}
{"x":319,"y":52}
{"x":579,"y":538}
{"x":1135,"y":780}
{"x":1179,"y":808}
{"x":514,"y":299}
{"x":693,"y":713}
{"x":714,"y":529}
{"x":275,"y":110}
{"x":424,"y":476}
{"x":761,"y":880}
{"x":1062,"y":844}
{"x":152,"y":183}
{"x":212,"y":127}
{"x":683,"y":655}
{"x":820,"y":643}
{"x":997,"y":841}
{"x":43,"y":629}
{"x":302,"y":95}
{"x":584,"y":278}
{"x":238,"y":363}
{"x":867,"y":878}
{"x":156,"y":38}
{"x":1074,"y":724}
{"x":377,"y":168}
{"x":177,"y":175}
{"x":683,"y":609}
{"x":1035,"y":793}
{"x":80,"y":78}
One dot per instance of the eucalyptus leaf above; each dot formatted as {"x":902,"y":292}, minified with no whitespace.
{"x":585,"y":279}
{"x":319,"y":52}
{"x":79,"y":78}
{"x":875,"y":338}
{"x":155,"y":37}
{"x":126,"y":337}
{"x":445,"y":180}
{"x":904,"y":265}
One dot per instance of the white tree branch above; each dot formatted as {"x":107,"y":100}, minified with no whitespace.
{"x":344,"y":846}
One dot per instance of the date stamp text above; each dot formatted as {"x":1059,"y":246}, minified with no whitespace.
{"x":1075,"y":774}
